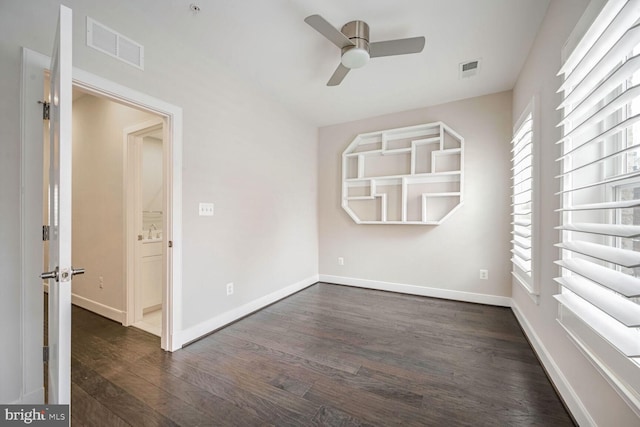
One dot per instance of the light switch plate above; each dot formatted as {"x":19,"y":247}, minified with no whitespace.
{"x":205,"y":209}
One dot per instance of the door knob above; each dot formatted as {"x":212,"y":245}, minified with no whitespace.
{"x":50,"y":275}
{"x":75,"y":271}
{"x":65,"y":274}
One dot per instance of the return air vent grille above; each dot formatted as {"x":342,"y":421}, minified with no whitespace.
{"x":470,"y":66}
{"x":104,"y":39}
{"x":469,"y":69}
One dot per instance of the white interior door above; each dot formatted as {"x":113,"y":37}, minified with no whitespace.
{"x":60,"y":271}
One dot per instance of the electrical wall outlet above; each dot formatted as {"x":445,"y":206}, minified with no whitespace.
{"x":100,"y":282}
{"x":484,"y":274}
{"x":340,"y":261}
{"x":229,"y":288}
{"x":205,"y":209}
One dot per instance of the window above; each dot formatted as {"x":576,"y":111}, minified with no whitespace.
{"x":600,"y":197}
{"x":522,"y":200}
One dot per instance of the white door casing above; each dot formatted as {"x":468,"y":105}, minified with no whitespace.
{"x":171,"y":338}
{"x":133,"y":140}
{"x":60,"y":100}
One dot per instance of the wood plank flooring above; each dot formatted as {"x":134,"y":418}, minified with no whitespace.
{"x":329,"y":355}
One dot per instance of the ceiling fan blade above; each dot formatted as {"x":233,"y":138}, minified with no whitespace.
{"x":338,"y":75}
{"x":329,"y":31}
{"x":396,"y":47}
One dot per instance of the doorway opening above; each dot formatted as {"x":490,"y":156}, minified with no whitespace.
{"x":118,"y":210}
{"x":144,"y":220}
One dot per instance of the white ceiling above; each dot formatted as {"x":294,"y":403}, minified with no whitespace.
{"x":269,"y":44}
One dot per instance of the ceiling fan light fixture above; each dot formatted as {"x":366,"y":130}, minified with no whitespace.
{"x":355,"y":57}
{"x":353,"y":40}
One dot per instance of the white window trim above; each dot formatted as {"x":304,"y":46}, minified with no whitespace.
{"x":532,"y":285}
{"x":622,"y":373}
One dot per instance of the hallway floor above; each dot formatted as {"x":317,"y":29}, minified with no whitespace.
{"x":151,"y":322}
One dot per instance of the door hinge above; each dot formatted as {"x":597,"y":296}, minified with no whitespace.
{"x":45,"y":233}
{"x":45,"y":353}
{"x":170,"y":243}
{"x":46,"y":107}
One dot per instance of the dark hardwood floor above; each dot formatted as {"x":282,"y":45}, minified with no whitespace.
{"x":329,"y":355}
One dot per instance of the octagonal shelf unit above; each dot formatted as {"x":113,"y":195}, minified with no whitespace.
{"x":411,"y":175}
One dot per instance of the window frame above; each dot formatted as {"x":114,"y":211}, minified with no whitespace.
{"x":530,"y":283}
{"x":581,"y":326}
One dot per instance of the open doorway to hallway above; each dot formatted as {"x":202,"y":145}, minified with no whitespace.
{"x":117,"y":210}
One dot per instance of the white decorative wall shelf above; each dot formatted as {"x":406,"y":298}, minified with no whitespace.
{"x":411,"y":175}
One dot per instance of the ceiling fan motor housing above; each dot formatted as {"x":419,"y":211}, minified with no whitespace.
{"x":358,"y":55}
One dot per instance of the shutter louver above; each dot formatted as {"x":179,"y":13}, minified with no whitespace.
{"x":600,"y":179}
{"x":522,"y":202}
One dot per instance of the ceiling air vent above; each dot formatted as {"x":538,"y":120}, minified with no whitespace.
{"x":469,"y":69}
{"x":104,"y":39}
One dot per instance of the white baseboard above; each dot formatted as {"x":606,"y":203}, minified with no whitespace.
{"x":571,"y":399}
{"x":194,"y":332}
{"x":98,"y":308}
{"x":35,"y":397}
{"x":419,"y":290}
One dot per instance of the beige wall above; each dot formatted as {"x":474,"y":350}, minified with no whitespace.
{"x":587,"y":392}
{"x":152,"y":174}
{"x":448,"y":256}
{"x":98,"y":197}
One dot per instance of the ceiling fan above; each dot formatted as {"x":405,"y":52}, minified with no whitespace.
{"x":353,"y":40}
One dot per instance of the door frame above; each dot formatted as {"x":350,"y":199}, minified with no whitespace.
{"x":132,"y":136}
{"x":171,"y":117}
{"x":31,"y":206}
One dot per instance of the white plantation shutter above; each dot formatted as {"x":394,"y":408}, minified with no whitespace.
{"x":600,"y":196}
{"x":522,"y":201}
